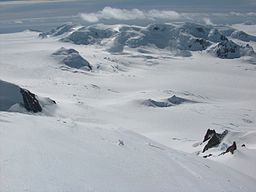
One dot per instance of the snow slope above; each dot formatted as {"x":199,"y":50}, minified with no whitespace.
{"x":60,"y":154}
{"x":100,"y":136}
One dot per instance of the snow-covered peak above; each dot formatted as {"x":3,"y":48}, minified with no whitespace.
{"x":177,"y":36}
{"x":60,"y":30}
{"x":72,"y":58}
{"x":230,"y":50}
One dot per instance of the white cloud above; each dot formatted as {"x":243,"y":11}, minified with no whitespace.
{"x":129,"y":14}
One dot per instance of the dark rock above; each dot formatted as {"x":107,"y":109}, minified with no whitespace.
{"x":172,"y":101}
{"x":206,"y":156}
{"x":209,"y":134}
{"x":120,"y":142}
{"x":230,"y":149}
{"x":153,"y":103}
{"x":214,"y":139}
{"x":30,"y":101}
{"x":177,"y":100}
{"x":243,"y":145}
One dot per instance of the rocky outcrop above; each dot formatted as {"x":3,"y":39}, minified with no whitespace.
{"x":213,"y":138}
{"x":230,"y":50}
{"x":230,"y":149}
{"x":172,"y":101}
{"x":72,"y":58}
{"x":30,"y":101}
{"x":15,"y":98}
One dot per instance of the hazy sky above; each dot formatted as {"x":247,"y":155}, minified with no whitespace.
{"x":40,"y":12}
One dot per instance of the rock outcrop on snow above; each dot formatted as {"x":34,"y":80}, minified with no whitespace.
{"x":14,"y":98}
{"x":230,"y":149}
{"x":72,"y":58}
{"x":215,"y":144}
{"x":230,"y":50}
{"x":213,"y":138}
{"x":178,"y":36}
{"x":172,"y":101}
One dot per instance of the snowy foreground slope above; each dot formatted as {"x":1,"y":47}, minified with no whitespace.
{"x":54,"y":154}
{"x":124,"y":118}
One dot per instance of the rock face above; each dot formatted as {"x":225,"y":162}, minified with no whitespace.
{"x":213,"y":138}
{"x":72,"y":58}
{"x":230,"y":50}
{"x":30,"y":101}
{"x":230,"y":149}
{"x":13,"y":98}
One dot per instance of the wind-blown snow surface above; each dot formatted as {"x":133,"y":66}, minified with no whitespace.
{"x":95,"y":140}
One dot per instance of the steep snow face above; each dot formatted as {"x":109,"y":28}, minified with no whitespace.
{"x":14,"y":98}
{"x":72,"y":58}
{"x":9,"y":95}
{"x":230,"y":50}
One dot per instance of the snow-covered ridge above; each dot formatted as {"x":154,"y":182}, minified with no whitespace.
{"x":176,"y":36}
{"x":230,"y":50}
{"x":72,"y":58}
{"x":15,"y":98}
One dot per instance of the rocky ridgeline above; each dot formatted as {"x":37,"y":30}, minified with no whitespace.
{"x":15,"y":98}
{"x":212,"y":139}
{"x":181,"y":36}
{"x":60,"y":30}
